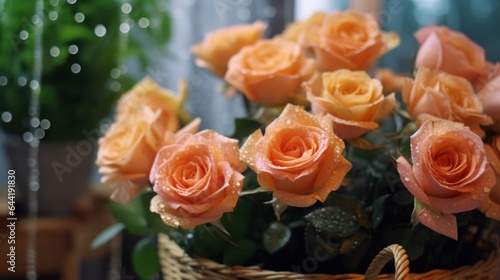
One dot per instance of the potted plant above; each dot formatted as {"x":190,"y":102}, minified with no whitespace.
{"x":85,"y":48}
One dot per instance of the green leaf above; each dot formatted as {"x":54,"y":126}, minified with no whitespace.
{"x":107,"y":235}
{"x":145,"y":259}
{"x":209,"y":242}
{"x":335,"y":221}
{"x":349,"y":203}
{"x":238,"y":255}
{"x":276,"y":236}
{"x":378,"y":210}
{"x":237,"y":223}
{"x":245,"y":127}
{"x":131,"y":215}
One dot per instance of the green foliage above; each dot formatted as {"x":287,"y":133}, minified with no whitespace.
{"x":107,"y":235}
{"x":276,"y":236}
{"x":74,"y":102}
{"x":145,"y":258}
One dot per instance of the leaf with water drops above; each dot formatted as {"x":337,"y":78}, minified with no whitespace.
{"x":276,"y":236}
{"x":335,"y":221}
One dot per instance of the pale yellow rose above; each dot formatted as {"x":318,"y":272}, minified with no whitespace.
{"x":355,"y":101}
{"x":491,"y":205}
{"x":450,"y":51}
{"x":299,"y":158}
{"x":270,"y":72}
{"x":299,"y":31}
{"x":198,"y":178}
{"x":219,"y":46}
{"x":435,"y":94}
{"x":148,"y":93}
{"x":349,"y":40}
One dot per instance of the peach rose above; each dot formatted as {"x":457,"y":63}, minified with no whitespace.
{"x":270,"y":72}
{"x":436,"y":94}
{"x":350,"y":40}
{"x":150,"y":94}
{"x":450,"y":172}
{"x":490,"y":98}
{"x":354,"y":100}
{"x":450,"y":51}
{"x":299,"y":31}
{"x":299,"y":158}
{"x":491,"y":205}
{"x":218,"y":47}
{"x":128,"y":149}
{"x":197,"y":179}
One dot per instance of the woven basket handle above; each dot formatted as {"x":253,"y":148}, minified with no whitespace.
{"x":401,"y":263}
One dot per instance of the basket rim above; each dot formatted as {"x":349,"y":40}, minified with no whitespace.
{"x":177,"y":264}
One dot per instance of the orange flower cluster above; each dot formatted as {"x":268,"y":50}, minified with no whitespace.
{"x":321,"y":64}
{"x":454,"y":158}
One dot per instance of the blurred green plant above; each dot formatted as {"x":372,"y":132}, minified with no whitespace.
{"x":85,"y":47}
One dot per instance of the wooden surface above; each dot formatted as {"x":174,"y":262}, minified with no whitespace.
{"x":62,"y":243}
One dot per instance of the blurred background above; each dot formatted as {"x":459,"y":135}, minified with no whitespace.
{"x":94,"y":50}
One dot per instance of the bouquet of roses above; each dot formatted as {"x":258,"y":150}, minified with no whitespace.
{"x":331,"y":165}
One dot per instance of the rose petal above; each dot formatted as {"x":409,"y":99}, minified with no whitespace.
{"x":409,"y":181}
{"x":445,"y":224}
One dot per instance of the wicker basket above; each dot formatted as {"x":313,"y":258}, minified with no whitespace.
{"x":177,"y":265}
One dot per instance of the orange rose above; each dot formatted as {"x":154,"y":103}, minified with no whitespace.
{"x":436,"y":94}
{"x":354,"y":100}
{"x":450,"y":51}
{"x":350,"y":40}
{"x":491,"y":205}
{"x":150,"y":94}
{"x":197,"y":179}
{"x":218,"y":47}
{"x":299,"y":31}
{"x":128,"y":149}
{"x":450,"y":172}
{"x":490,"y":98}
{"x":299,"y":158}
{"x":270,"y":72}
